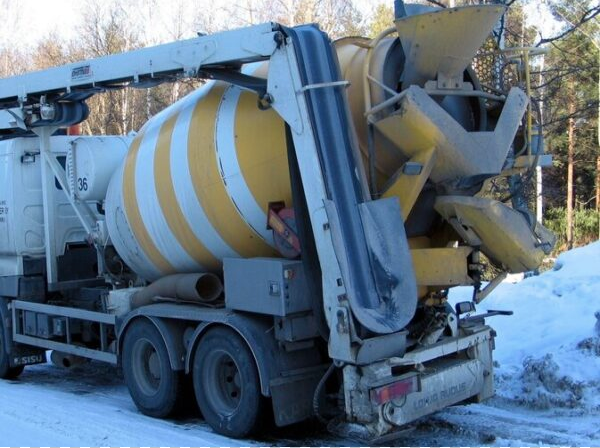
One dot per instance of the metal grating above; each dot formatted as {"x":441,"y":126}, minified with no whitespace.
{"x":495,"y":72}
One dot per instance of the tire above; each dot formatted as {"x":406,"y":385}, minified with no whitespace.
{"x":155,"y":388}
{"x":227,"y":384}
{"x":7,"y":372}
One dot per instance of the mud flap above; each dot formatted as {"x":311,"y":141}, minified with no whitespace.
{"x":293,"y":396}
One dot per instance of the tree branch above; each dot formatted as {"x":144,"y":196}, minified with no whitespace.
{"x":586,"y":17}
{"x":436,"y":2}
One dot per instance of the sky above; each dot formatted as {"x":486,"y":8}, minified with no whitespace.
{"x":62,"y":17}
{"x":38,"y":18}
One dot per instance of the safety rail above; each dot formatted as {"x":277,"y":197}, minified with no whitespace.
{"x":51,"y":327}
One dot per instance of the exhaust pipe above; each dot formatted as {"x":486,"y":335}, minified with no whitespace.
{"x":204,"y":288}
{"x":66,"y":360}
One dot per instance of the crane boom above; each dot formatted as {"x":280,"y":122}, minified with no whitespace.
{"x":138,"y":68}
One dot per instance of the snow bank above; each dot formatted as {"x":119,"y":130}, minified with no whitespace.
{"x":549,"y":350}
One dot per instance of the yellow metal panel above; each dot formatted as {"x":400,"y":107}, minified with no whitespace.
{"x":505,"y":234}
{"x":408,"y":187}
{"x":419,"y":242}
{"x":262,"y":152}
{"x":441,"y":266}
{"x":411,"y":129}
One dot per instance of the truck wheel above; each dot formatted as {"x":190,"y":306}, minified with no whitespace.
{"x":7,"y":372}
{"x":226,"y":383}
{"x":154,"y":387}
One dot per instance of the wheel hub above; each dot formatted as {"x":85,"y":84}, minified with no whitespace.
{"x":154,"y":366}
{"x":222,"y":382}
{"x":146,"y":366}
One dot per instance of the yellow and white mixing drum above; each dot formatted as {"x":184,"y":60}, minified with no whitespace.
{"x":196,"y":183}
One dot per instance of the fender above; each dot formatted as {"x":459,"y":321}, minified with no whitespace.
{"x":172,"y":336}
{"x":259,"y":340}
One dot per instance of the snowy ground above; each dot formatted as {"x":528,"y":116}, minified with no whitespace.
{"x":547,"y":378}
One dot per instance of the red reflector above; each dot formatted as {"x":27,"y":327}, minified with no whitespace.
{"x":383,"y":394}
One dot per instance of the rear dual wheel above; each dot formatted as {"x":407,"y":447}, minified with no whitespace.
{"x":225,"y":378}
{"x":227,"y":384}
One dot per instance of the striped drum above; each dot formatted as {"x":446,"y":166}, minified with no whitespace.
{"x":196,"y":183}
{"x":197,"y":180}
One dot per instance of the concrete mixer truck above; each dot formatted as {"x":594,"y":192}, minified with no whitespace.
{"x":285,"y":236}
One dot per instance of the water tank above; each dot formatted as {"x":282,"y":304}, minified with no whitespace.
{"x":91,"y":162}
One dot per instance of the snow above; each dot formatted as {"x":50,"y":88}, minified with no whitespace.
{"x":553,"y":313}
{"x":87,"y":406}
{"x":547,"y":381}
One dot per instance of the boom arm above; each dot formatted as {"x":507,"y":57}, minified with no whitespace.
{"x":142,"y":68}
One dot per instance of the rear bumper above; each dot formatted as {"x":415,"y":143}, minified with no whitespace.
{"x":446,"y":385}
{"x":448,"y":372}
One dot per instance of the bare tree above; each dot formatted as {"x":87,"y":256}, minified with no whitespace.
{"x":107,"y":29}
{"x":11,"y":58}
{"x":336,"y":17}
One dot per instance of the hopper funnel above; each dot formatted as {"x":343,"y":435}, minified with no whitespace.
{"x":444,"y":42}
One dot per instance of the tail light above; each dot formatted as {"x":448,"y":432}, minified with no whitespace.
{"x":388,"y":392}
